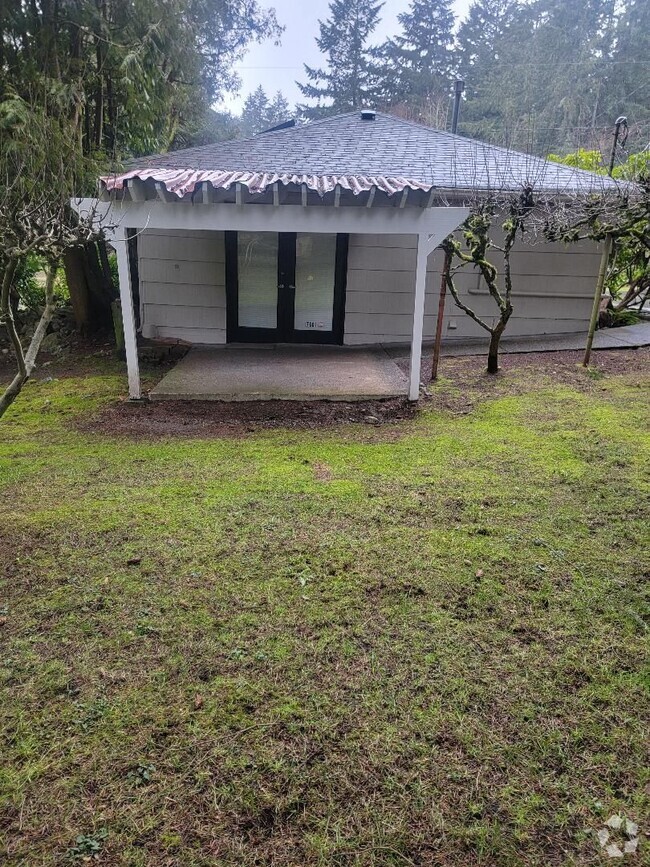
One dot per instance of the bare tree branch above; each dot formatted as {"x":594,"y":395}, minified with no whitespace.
{"x":28,"y":360}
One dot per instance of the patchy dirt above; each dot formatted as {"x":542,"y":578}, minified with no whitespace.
{"x":218,"y":419}
{"x":463,"y":382}
{"x":322,"y":472}
{"x":90,"y":355}
{"x":611,"y":361}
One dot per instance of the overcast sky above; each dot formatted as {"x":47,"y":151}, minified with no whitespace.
{"x":278,"y":67}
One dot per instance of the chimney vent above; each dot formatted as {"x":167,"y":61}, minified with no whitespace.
{"x":368,"y":114}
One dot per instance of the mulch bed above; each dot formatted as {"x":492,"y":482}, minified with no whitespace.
{"x":610,"y":361}
{"x":233,"y":419}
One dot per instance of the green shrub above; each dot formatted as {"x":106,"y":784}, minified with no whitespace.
{"x":618,"y":318}
{"x":29,"y":284}
{"x":112,"y":264}
{"x":26,"y":284}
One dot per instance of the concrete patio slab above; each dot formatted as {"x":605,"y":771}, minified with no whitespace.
{"x":630,"y":337}
{"x":283,"y":373}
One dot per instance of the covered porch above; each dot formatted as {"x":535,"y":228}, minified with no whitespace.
{"x":278,"y":372}
{"x":327,"y":373}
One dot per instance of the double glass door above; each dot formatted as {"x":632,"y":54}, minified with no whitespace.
{"x":285,"y":287}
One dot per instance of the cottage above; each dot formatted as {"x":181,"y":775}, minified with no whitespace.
{"x":326,"y":234}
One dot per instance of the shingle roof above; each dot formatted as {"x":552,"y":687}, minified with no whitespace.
{"x":388,"y":153}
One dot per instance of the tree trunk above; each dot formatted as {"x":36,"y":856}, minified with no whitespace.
{"x":493,"y":353}
{"x":27,"y":361}
{"x":75,"y":275}
{"x":6,"y":310}
{"x":90,"y":285}
{"x":496,"y":332}
{"x":110,"y":288}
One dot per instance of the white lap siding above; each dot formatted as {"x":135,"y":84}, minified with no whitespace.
{"x":552,"y":294}
{"x":182,"y":285}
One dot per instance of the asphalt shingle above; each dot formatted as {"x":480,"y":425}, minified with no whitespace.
{"x":386,"y":152}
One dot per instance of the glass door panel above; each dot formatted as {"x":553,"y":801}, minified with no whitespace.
{"x":315,"y":275}
{"x":285,"y":288}
{"x":257,"y":268}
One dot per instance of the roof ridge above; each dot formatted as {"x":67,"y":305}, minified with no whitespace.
{"x":301,"y":126}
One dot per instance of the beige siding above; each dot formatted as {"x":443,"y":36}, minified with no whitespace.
{"x":183,"y":285}
{"x":552,"y":294}
{"x":183,"y":297}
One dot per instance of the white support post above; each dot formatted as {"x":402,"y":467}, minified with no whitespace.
{"x":128,"y":319}
{"x":418,"y":316}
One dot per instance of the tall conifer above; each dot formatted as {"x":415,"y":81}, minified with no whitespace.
{"x":350,"y":77}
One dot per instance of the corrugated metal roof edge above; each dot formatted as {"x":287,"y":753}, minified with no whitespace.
{"x":182,"y":182}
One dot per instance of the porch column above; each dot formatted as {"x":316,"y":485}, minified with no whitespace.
{"x":418,"y":315}
{"x":120,"y":242}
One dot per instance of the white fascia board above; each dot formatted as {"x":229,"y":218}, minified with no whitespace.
{"x":437,"y":222}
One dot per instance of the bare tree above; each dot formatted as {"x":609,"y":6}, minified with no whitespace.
{"x":479,"y":246}
{"x":622,"y":219}
{"x":39,"y":169}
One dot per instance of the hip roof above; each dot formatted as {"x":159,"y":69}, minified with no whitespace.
{"x":357,"y":154}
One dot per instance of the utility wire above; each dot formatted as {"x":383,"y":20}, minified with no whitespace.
{"x":552,"y":65}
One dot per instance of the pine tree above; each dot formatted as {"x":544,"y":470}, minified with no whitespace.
{"x":260,"y":114}
{"x":420,"y":61}
{"x":478,"y":39}
{"x":541,"y":84}
{"x":278,"y":110}
{"x":628,"y":84}
{"x":254,"y":115}
{"x":350,"y":78}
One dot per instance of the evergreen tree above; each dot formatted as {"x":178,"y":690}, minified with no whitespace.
{"x":279,"y":110}
{"x":259,"y":113}
{"x":350,"y":79}
{"x":420,"y":61}
{"x":254,"y":113}
{"x":210,"y":127}
{"x":121,"y":78}
{"x":479,"y":36}
{"x":541,"y":85}
{"x":131,"y":74}
{"x":628,"y":84}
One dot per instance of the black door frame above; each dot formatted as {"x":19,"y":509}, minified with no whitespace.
{"x":285,"y":331}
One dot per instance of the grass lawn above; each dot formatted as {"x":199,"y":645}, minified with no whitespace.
{"x":414,"y":643}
